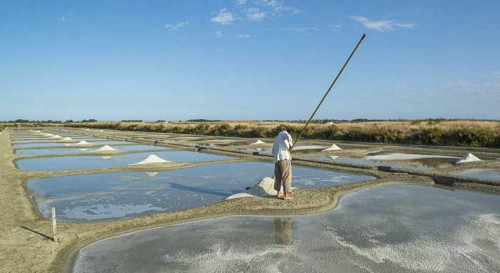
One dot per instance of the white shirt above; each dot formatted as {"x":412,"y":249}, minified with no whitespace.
{"x":282,"y":146}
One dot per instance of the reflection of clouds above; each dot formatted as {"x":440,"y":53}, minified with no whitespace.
{"x":107,"y":211}
{"x":478,"y":243}
{"x":224,"y":257}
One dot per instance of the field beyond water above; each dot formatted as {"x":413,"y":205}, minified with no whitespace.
{"x":469,"y":133}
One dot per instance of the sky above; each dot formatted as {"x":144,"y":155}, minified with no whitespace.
{"x":248,"y":60}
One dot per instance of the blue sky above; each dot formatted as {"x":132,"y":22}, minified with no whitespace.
{"x":254,"y":59}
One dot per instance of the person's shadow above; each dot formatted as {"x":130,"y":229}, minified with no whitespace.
{"x":283,"y":230}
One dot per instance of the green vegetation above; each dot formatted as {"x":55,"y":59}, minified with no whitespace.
{"x":436,"y":132}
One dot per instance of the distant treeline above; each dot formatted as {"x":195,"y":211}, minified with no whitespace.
{"x":430,"y":135}
{"x":47,"y":121}
{"x":363,"y":120}
{"x":317,"y":121}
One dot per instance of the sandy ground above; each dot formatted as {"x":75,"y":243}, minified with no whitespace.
{"x":26,"y":243}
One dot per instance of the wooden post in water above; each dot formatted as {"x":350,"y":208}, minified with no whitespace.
{"x":54,"y":223}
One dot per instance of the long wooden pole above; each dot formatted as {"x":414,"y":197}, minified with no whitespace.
{"x":328,"y":91}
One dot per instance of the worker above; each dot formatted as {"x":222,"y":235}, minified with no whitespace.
{"x":283,"y":164}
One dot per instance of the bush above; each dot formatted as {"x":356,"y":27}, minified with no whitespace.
{"x":159,"y":128}
{"x":258,"y":132}
{"x":466,"y":136}
{"x":432,"y":136}
{"x":497,"y":141}
{"x":240,"y":130}
{"x":202,"y":129}
{"x":331,"y":132}
{"x":221,"y":130}
{"x":472,"y":137}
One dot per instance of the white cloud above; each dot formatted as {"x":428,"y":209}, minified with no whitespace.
{"x":302,"y":29}
{"x":335,"y":27}
{"x":63,"y":19}
{"x":465,"y":87}
{"x":284,"y":8}
{"x":219,"y":33}
{"x":381,"y":25}
{"x":278,"y":6}
{"x":176,"y":26}
{"x":241,"y":2}
{"x":224,"y":17}
{"x":255,"y":14}
{"x":245,"y":36}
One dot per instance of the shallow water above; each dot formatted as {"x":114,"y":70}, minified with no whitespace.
{"x":397,"y":228}
{"x":69,"y":144}
{"x":75,"y":140}
{"x":367,"y":162}
{"x":110,"y":142}
{"x":489,"y":174}
{"x":86,"y":150}
{"x":126,"y":194}
{"x":422,"y":164}
{"x":92,"y":162}
{"x":29,"y":145}
{"x":404,"y":156}
{"x":34,"y":141}
{"x":15,"y":138}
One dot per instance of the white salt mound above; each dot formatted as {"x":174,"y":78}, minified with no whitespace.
{"x":106,"y":148}
{"x":333,"y":147}
{"x":333,"y":157}
{"x":83,"y":142}
{"x":55,"y":137}
{"x":66,"y":139}
{"x":152,"y":159}
{"x":258,"y":142}
{"x":468,"y":158}
{"x":265,"y":188}
{"x":152,"y":173}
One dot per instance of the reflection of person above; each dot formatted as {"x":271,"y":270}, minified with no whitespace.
{"x":283,"y":164}
{"x":283,"y":230}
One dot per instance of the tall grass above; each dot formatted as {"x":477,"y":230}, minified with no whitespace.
{"x":432,"y":132}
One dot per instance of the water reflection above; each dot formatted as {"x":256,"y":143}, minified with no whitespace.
{"x":283,"y":230}
{"x":397,"y":228}
{"x":113,"y":195}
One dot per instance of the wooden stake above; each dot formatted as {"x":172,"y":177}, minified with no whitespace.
{"x":54,"y":223}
